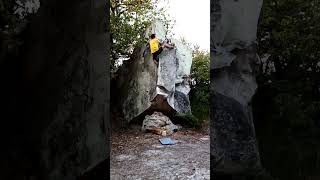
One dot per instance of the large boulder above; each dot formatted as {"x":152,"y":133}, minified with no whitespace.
{"x":143,"y":88}
{"x":234,"y":66}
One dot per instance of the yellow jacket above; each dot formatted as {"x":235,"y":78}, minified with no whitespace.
{"x":154,"y":45}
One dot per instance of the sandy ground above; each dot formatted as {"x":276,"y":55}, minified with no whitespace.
{"x":137,"y":155}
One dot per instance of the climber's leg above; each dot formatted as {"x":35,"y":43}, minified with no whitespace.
{"x":156,"y":62}
{"x":159,"y":51}
{"x":155,"y":56}
{"x":156,"y":59}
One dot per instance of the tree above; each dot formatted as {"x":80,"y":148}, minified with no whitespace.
{"x":288,"y":99}
{"x":200,"y":74}
{"x":289,"y":33}
{"x":129,"y":19}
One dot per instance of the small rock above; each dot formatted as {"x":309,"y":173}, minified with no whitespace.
{"x":204,"y":138}
{"x":164,"y":133}
{"x":159,"y":124}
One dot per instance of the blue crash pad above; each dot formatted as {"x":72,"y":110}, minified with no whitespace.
{"x":166,"y":141}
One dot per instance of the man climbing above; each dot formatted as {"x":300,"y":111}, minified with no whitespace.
{"x":155,"y":49}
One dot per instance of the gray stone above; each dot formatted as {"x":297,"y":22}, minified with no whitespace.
{"x":234,"y":66}
{"x":142,"y":84}
{"x":135,"y":86}
{"x":233,"y":25}
{"x":174,"y":72}
{"x":157,"y":123}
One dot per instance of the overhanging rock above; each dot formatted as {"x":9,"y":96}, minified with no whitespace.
{"x":143,"y":88}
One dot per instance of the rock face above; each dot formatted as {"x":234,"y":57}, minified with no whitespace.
{"x":59,"y":95}
{"x":136,"y":85}
{"x":158,"y":123}
{"x":234,"y":65}
{"x":144,"y":87}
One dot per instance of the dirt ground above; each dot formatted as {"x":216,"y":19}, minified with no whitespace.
{"x":136,"y":155}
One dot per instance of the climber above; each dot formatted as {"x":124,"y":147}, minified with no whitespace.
{"x":155,"y":49}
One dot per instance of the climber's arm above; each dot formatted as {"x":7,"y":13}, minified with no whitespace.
{"x":165,"y":44}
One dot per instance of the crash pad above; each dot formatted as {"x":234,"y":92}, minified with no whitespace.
{"x":166,"y":141}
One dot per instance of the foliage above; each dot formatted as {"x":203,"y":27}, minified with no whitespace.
{"x":6,"y":11}
{"x":188,"y":120}
{"x":199,"y":94}
{"x":129,"y":19}
{"x":12,"y":25}
{"x":287,"y":104}
{"x":288,"y":30}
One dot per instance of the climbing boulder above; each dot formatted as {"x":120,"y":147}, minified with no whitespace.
{"x":174,"y":70}
{"x":142,"y":87}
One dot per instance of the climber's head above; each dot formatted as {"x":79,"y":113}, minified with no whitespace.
{"x":153,"y":36}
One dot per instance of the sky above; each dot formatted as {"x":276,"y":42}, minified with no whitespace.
{"x":192,"y":20}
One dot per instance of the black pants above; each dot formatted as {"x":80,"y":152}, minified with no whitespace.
{"x":156,"y":54}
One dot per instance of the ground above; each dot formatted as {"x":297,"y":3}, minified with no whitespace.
{"x":138,"y":155}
